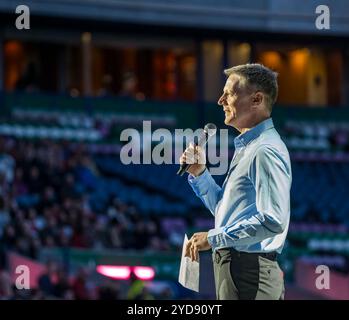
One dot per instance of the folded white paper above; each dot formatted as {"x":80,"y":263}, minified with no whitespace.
{"x":189,"y":271}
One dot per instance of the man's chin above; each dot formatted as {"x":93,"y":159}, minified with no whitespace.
{"x":229,"y":121}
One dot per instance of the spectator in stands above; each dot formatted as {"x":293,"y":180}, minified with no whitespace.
{"x":109,"y":291}
{"x":47,"y":280}
{"x":35,"y":180}
{"x":114,"y":238}
{"x":80,"y":288}
{"x":62,"y":288}
{"x":107,"y":86}
{"x":137,"y":290}
{"x":7,"y":167}
{"x":4,"y":215}
{"x":19,"y":188}
{"x":9,"y":237}
{"x":129,"y":87}
{"x":6,"y":291}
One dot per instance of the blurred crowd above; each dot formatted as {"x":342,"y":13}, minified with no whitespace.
{"x":44,"y":202}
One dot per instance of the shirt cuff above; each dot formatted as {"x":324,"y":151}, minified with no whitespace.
{"x":215,"y":238}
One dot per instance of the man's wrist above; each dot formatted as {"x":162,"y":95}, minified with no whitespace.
{"x":200,"y":173}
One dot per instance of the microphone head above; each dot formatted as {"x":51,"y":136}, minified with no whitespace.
{"x":210,"y":129}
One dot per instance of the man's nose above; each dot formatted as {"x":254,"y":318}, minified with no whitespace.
{"x":220,"y":101}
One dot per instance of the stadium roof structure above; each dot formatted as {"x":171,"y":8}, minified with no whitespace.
{"x":286,"y":16}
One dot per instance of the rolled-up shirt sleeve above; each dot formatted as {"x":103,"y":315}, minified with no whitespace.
{"x":270,"y":175}
{"x":206,"y":189}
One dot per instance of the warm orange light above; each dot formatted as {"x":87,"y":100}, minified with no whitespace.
{"x":14,"y":61}
{"x":13,"y":49}
{"x":271,"y":59}
{"x":299,"y":59}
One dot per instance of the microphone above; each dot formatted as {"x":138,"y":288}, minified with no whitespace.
{"x":210,"y":130}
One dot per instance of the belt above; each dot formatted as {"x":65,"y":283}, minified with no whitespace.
{"x":268,"y":255}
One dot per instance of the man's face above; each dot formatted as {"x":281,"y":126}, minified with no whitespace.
{"x":236,"y":102}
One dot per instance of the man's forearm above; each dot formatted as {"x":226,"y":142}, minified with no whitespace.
{"x":206,"y":189}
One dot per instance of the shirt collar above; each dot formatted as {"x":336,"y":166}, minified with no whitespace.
{"x":245,"y":138}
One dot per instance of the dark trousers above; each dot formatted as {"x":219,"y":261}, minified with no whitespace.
{"x":247,"y":276}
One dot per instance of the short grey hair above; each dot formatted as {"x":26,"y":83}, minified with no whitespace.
{"x":259,"y":77}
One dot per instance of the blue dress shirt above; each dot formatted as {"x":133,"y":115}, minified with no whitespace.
{"x":252,"y":208}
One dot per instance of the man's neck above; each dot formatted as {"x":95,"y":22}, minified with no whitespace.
{"x":251,"y":125}
{"x":243,"y":130}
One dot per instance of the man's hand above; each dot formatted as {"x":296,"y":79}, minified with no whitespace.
{"x":198,"y":242}
{"x":196,"y":157}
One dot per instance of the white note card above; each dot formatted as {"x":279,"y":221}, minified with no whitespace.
{"x":189,"y":271}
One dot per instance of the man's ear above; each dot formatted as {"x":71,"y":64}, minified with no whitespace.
{"x":257,"y":98}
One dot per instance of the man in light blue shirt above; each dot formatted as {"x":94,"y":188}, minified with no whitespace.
{"x":252,"y":207}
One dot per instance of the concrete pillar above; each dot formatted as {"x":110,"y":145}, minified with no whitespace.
{"x":213,"y":68}
{"x":62,"y":69}
{"x":2,"y":64}
{"x":86,"y":42}
{"x":345,"y":86}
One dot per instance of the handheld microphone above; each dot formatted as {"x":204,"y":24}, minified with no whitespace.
{"x":210,"y":130}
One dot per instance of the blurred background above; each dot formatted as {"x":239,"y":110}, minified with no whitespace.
{"x":89,"y":227}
